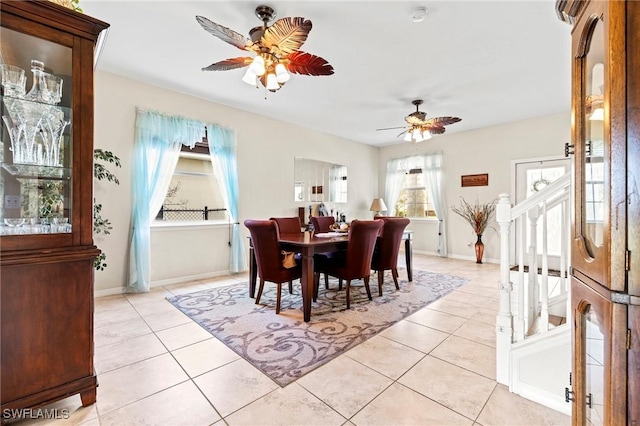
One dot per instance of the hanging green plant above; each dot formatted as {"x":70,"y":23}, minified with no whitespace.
{"x":101,"y":172}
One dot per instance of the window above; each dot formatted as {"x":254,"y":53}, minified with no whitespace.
{"x":414,"y":200}
{"x":338,"y":176}
{"x":594,"y":182}
{"x":194,"y":193}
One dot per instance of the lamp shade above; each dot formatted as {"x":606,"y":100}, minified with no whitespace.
{"x":378,"y":205}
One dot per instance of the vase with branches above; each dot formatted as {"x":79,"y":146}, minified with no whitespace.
{"x":478,"y":215}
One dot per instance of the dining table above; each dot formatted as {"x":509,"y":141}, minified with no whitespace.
{"x":308,"y":244}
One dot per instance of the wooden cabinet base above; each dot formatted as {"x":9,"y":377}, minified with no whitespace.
{"x":86,"y":387}
{"x":46,"y":314}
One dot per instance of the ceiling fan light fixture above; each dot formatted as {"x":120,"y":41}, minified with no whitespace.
{"x":419,"y":128}
{"x":250,"y":77}
{"x":272,"y":82}
{"x":282,"y":76}
{"x":257,"y":66}
{"x":276,"y":46}
{"x":416,"y":134}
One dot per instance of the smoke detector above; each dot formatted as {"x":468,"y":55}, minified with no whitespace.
{"x":419,"y":13}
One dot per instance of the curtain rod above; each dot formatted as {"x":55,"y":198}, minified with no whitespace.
{"x":203,"y":123}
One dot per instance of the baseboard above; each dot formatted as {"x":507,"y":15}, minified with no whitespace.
{"x":187,"y":278}
{"x":161,"y":283}
{"x":543,"y":398}
{"x":473,"y":258}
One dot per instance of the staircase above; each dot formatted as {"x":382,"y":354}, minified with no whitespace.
{"x":533,"y":339}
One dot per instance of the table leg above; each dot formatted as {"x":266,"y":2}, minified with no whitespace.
{"x":253,"y":272}
{"x":306,"y":281}
{"x":408,"y":254}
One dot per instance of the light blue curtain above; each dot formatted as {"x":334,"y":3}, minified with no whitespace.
{"x":158,"y":138}
{"x":431,"y":164}
{"x":223,"y":156}
{"x":433,"y":167}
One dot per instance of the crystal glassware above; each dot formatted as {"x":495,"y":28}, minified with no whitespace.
{"x":50,"y":88}
{"x":14,"y":221}
{"x":13,"y":80}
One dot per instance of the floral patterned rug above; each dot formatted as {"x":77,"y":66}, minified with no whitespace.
{"x":283,"y":346}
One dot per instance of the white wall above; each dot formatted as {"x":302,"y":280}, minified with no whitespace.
{"x":266,"y":149}
{"x":488,"y":150}
{"x":265,"y":152}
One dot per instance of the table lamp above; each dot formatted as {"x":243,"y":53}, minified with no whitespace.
{"x":378,"y":206}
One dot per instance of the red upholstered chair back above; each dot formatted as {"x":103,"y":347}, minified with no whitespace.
{"x":288,"y":225}
{"x":322,"y":223}
{"x":386,"y":253}
{"x":362,"y":241}
{"x":264,"y":237}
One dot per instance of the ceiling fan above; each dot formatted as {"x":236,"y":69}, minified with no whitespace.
{"x":420,"y":128}
{"x":276,"y":48}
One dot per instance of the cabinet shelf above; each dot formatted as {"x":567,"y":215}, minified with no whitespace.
{"x":34,"y":171}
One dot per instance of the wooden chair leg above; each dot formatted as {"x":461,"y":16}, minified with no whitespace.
{"x":366,"y":286}
{"x":348,"y":296}
{"x":340,"y":284}
{"x":290,"y":287}
{"x":394,"y":273}
{"x":380,"y":280}
{"x":326,"y":281}
{"x":260,"y":291}
{"x":278,"y":298}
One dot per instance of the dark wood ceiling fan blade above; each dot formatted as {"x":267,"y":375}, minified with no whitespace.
{"x":441,"y":121}
{"x":286,"y":35}
{"x":307,"y":64}
{"x":435,"y":130}
{"x":229,"y":64}
{"x":224,"y":33}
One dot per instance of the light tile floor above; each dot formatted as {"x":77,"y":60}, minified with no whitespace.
{"x":437,"y":367}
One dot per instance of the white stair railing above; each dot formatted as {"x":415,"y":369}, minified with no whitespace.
{"x":532,"y":305}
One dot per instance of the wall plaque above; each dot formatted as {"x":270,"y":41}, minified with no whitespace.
{"x":475,"y":180}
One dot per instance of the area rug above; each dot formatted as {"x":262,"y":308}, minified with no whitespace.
{"x":283,"y":346}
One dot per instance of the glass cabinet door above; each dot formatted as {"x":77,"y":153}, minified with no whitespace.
{"x":592,"y":142}
{"x":591,"y":135}
{"x":36,"y":145}
{"x":594,"y":346}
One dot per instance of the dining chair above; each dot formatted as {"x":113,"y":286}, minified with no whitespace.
{"x":288,"y":225}
{"x":266,"y":246}
{"x":355,"y":262}
{"x":385,"y":254}
{"x":322,"y":223}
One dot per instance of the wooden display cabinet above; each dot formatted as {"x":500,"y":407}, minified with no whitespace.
{"x":606,"y":231}
{"x":46,"y":180}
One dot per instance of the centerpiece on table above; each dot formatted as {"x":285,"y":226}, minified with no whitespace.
{"x":478,"y":215}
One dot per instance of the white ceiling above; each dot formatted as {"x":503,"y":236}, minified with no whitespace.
{"x":487,"y":62}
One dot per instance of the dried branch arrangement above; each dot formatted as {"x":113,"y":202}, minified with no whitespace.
{"x":477,"y":215}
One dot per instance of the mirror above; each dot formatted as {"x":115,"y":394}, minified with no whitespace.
{"x":319,"y":181}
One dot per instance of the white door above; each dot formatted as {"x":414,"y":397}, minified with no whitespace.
{"x":530,"y":177}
